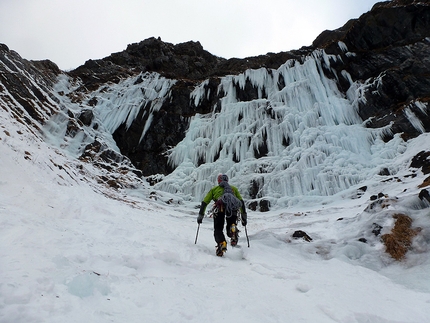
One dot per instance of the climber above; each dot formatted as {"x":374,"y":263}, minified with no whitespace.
{"x":228,"y":201}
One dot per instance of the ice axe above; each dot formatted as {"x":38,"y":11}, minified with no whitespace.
{"x":247,"y":238}
{"x":197,"y":234}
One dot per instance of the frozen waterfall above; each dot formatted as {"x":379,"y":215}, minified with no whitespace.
{"x":301,"y":138}
{"x":297,"y":139}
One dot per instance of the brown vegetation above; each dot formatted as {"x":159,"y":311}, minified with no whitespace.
{"x":399,"y":241}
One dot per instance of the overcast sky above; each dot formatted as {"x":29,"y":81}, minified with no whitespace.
{"x":69,"y":32}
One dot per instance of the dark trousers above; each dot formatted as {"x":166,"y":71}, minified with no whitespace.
{"x":219,"y":220}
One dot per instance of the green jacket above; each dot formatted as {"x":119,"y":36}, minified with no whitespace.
{"x":216,"y":192}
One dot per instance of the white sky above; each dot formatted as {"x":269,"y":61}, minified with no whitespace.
{"x":69,"y":32}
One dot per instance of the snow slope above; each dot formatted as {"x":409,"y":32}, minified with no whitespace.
{"x":74,"y":250}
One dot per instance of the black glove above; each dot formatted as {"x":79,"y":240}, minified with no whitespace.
{"x":244,"y":215}
{"x":201,"y":212}
{"x":200,"y":218}
{"x":244,"y":219}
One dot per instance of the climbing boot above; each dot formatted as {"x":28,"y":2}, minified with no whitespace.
{"x":234,"y":235}
{"x":221,"y":248}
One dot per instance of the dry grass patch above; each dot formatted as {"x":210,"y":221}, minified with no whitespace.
{"x":399,"y":241}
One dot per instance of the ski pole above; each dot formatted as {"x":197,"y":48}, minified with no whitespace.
{"x":247,"y":238}
{"x":197,"y":234}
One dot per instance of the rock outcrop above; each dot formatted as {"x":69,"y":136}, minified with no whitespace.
{"x":26,"y":86}
{"x":390,"y":45}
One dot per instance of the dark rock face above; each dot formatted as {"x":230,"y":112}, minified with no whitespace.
{"x":424,"y":195}
{"x":186,"y":61}
{"x":391,"y":49}
{"x":29,"y":95}
{"x":299,"y":234}
{"x":422,"y":160}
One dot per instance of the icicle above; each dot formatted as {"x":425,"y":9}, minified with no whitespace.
{"x":199,"y":92}
{"x":123,"y":102}
{"x":342,"y":46}
{"x":415,"y":122}
{"x":422,"y":106}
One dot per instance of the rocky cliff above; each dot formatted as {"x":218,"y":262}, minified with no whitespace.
{"x":377,"y":64}
{"x":389,"y":45}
